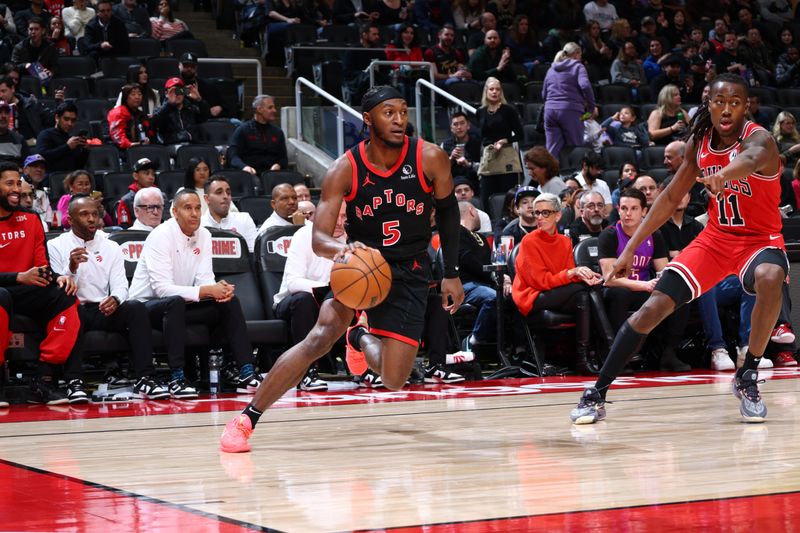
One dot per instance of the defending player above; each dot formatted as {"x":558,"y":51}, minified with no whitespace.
{"x":390,"y":184}
{"x":738,"y":162}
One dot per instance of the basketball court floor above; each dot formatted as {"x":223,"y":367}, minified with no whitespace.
{"x":501,"y":456}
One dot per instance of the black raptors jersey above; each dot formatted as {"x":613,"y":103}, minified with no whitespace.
{"x":390,"y":210}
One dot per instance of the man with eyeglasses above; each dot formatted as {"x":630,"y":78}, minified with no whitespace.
{"x":589,"y":177}
{"x":144,"y":175}
{"x":591,"y":221}
{"x":148,"y":206}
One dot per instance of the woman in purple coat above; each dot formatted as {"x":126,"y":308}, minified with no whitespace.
{"x":567,"y":94}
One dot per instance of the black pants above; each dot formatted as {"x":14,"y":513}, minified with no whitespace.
{"x":620,"y":301}
{"x":171,"y":315}
{"x":571,"y":298}
{"x":131,"y":318}
{"x":301,"y":311}
{"x":436,"y":335}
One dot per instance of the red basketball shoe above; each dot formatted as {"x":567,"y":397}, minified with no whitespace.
{"x":234,"y":437}
{"x":356,"y":362}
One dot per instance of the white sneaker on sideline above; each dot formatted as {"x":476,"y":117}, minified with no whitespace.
{"x":721,"y":360}
{"x":741,"y":352}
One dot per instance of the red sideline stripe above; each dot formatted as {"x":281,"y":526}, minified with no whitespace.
{"x":770,"y":512}
{"x":37,"y":500}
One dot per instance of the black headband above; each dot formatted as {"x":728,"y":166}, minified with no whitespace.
{"x":380,"y":94}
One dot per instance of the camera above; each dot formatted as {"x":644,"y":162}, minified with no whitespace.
{"x":180,"y":91}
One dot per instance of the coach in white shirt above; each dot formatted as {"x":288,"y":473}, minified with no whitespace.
{"x":284,"y":208}
{"x":175,"y":280}
{"x":96,"y":265}
{"x":148,"y":208}
{"x":219,"y":215}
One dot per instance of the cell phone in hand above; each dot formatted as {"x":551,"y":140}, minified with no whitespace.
{"x":83,"y":133}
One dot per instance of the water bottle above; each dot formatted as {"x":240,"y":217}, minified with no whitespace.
{"x":214,"y":363}
{"x":499,"y":255}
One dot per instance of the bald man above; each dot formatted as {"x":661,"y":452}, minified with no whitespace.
{"x":284,"y":208}
{"x":649,"y":187}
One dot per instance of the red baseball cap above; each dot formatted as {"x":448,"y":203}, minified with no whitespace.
{"x":172,"y":82}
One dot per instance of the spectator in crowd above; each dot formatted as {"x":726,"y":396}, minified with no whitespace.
{"x":176,"y":120}
{"x":602,"y":12}
{"x":62,"y":151}
{"x":756,"y":114}
{"x":787,"y":71}
{"x":628,"y":172}
{"x":467,"y":14}
{"x":730,"y":60}
{"x":135,"y":17}
{"x":13,"y":148}
{"x":671,"y":74}
{"x":144,"y":175}
{"x":627,"y":69}
{"x":96,"y":265}
{"x":667,"y":122}
{"x":56,"y":35}
{"x":525,"y":221}
{"x":307,"y":208}
{"x":305,"y":285}
{"x":589,"y":177}
{"x":303,"y":192}
{"x":648,"y":186}
{"x":652,"y":63}
{"x":595,"y":50}
{"x":465,"y":193}
{"x":35,"y":54}
{"x":405,"y":47}
{"x":151,"y":98}
{"x":284,"y":208}
{"x":449,"y":62}
{"x":567,"y":93}
{"x":677,"y":31}
{"x":431,"y":15}
{"x":492,"y":60}
{"x":354,"y":63}
{"x":464,"y":149}
{"x":28,"y":113}
{"x":105,"y":35}
{"x":257,"y":145}
{"x":716,"y":36}
{"x":27,"y":194}
{"x":148,"y":208}
{"x":175,"y":281}
{"x":76,"y":182}
{"x":165,"y":26}
{"x":591,"y":206}
{"x":543,"y":169}
{"x":128,"y":125}
{"x":788,"y":138}
{"x":34,"y":170}
{"x":623,"y":130}
{"x":29,"y":287}
{"x":756,"y":54}
{"x":392,"y":13}
{"x":476,"y":39}
{"x":198,"y":89}
{"x":195,"y":178}
{"x":220,"y":215}
{"x":547,"y":278}
{"x":354,"y":12}
{"x":22,"y":17}
{"x":500,"y":128}
{"x":503,"y":11}
{"x":786,"y":40}
{"x":621,"y":32}
{"x":77,"y":17}
{"x":480,"y":290}
{"x":507,"y":214}
{"x":522,"y":42}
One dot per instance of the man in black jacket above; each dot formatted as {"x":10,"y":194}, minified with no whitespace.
{"x":175,"y":120}
{"x":199,"y":89}
{"x":135,"y":17}
{"x":105,"y":35}
{"x":27,"y":112}
{"x":36,"y":49}
{"x":257,"y":145}
{"x":62,"y":151}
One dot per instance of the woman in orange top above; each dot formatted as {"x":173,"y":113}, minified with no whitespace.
{"x":547,"y":278}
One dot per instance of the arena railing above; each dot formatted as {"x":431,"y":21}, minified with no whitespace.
{"x":424,"y":84}
{"x":341,"y":109}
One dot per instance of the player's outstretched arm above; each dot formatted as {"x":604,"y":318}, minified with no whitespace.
{"x":335,"y":186}
{"x":436,"y":166}
{"x":660,"y":212}
{"x":759,"y":154}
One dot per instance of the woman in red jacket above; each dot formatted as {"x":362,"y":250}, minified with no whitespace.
{"x":127,"y":124}
{"x":547,"y":277}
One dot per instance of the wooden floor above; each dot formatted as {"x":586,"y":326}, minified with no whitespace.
{"x":492,"y":456}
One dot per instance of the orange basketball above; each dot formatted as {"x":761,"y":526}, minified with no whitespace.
{"x":361,"y":279}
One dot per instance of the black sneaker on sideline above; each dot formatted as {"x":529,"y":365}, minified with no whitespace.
{"x":312,"y":382}
{"x":371,"y":380}
{"x":76,"y":392}
{"x":115,"y":380}
{"x":248,"y":384}
{"x":149,"y":389}
{"x":440,"y":374}
{"x":179,"y":389}
{"x":43,"y":392}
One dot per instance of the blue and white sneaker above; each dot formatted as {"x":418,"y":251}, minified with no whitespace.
{"x":590,"y":409}
{"x":745,"y":388}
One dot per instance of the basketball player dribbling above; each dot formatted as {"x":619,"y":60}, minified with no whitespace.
{"x":738,"y":163}
{"x":390,"y":184}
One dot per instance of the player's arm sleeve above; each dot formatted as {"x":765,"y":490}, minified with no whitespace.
{"x":448,"y":222}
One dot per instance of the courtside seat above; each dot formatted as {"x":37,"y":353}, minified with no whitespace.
{"x":232,"y":262}
{"x":27,"y":334}
{"x":271,"y":250}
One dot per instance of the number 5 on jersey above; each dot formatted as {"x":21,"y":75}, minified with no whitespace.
{"x":390,"y":232}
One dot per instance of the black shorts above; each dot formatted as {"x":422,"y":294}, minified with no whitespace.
{"x":401,"y":316}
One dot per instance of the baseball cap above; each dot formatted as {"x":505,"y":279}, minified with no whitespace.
{"x":463,"y":181}
{"x":31,"y":159}
{"x":173,"y":82}
{"x":143,"y":164}
{"x":525,"y":190}
{"x":188,"y":57}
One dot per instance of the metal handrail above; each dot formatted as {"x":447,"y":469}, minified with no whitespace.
{"x":434,"y":89}
{"x":383,"y":63}
{"x":340,"y":107}
{"x":241,"y":61}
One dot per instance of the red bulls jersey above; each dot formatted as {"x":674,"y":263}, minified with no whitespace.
{"x":390,"y":210}
{"x":21,"y":242}
{"x":748,"y":206}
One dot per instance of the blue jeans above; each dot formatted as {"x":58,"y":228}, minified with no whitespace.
{"x":484,"y":299}
{"x":727,"y":292}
